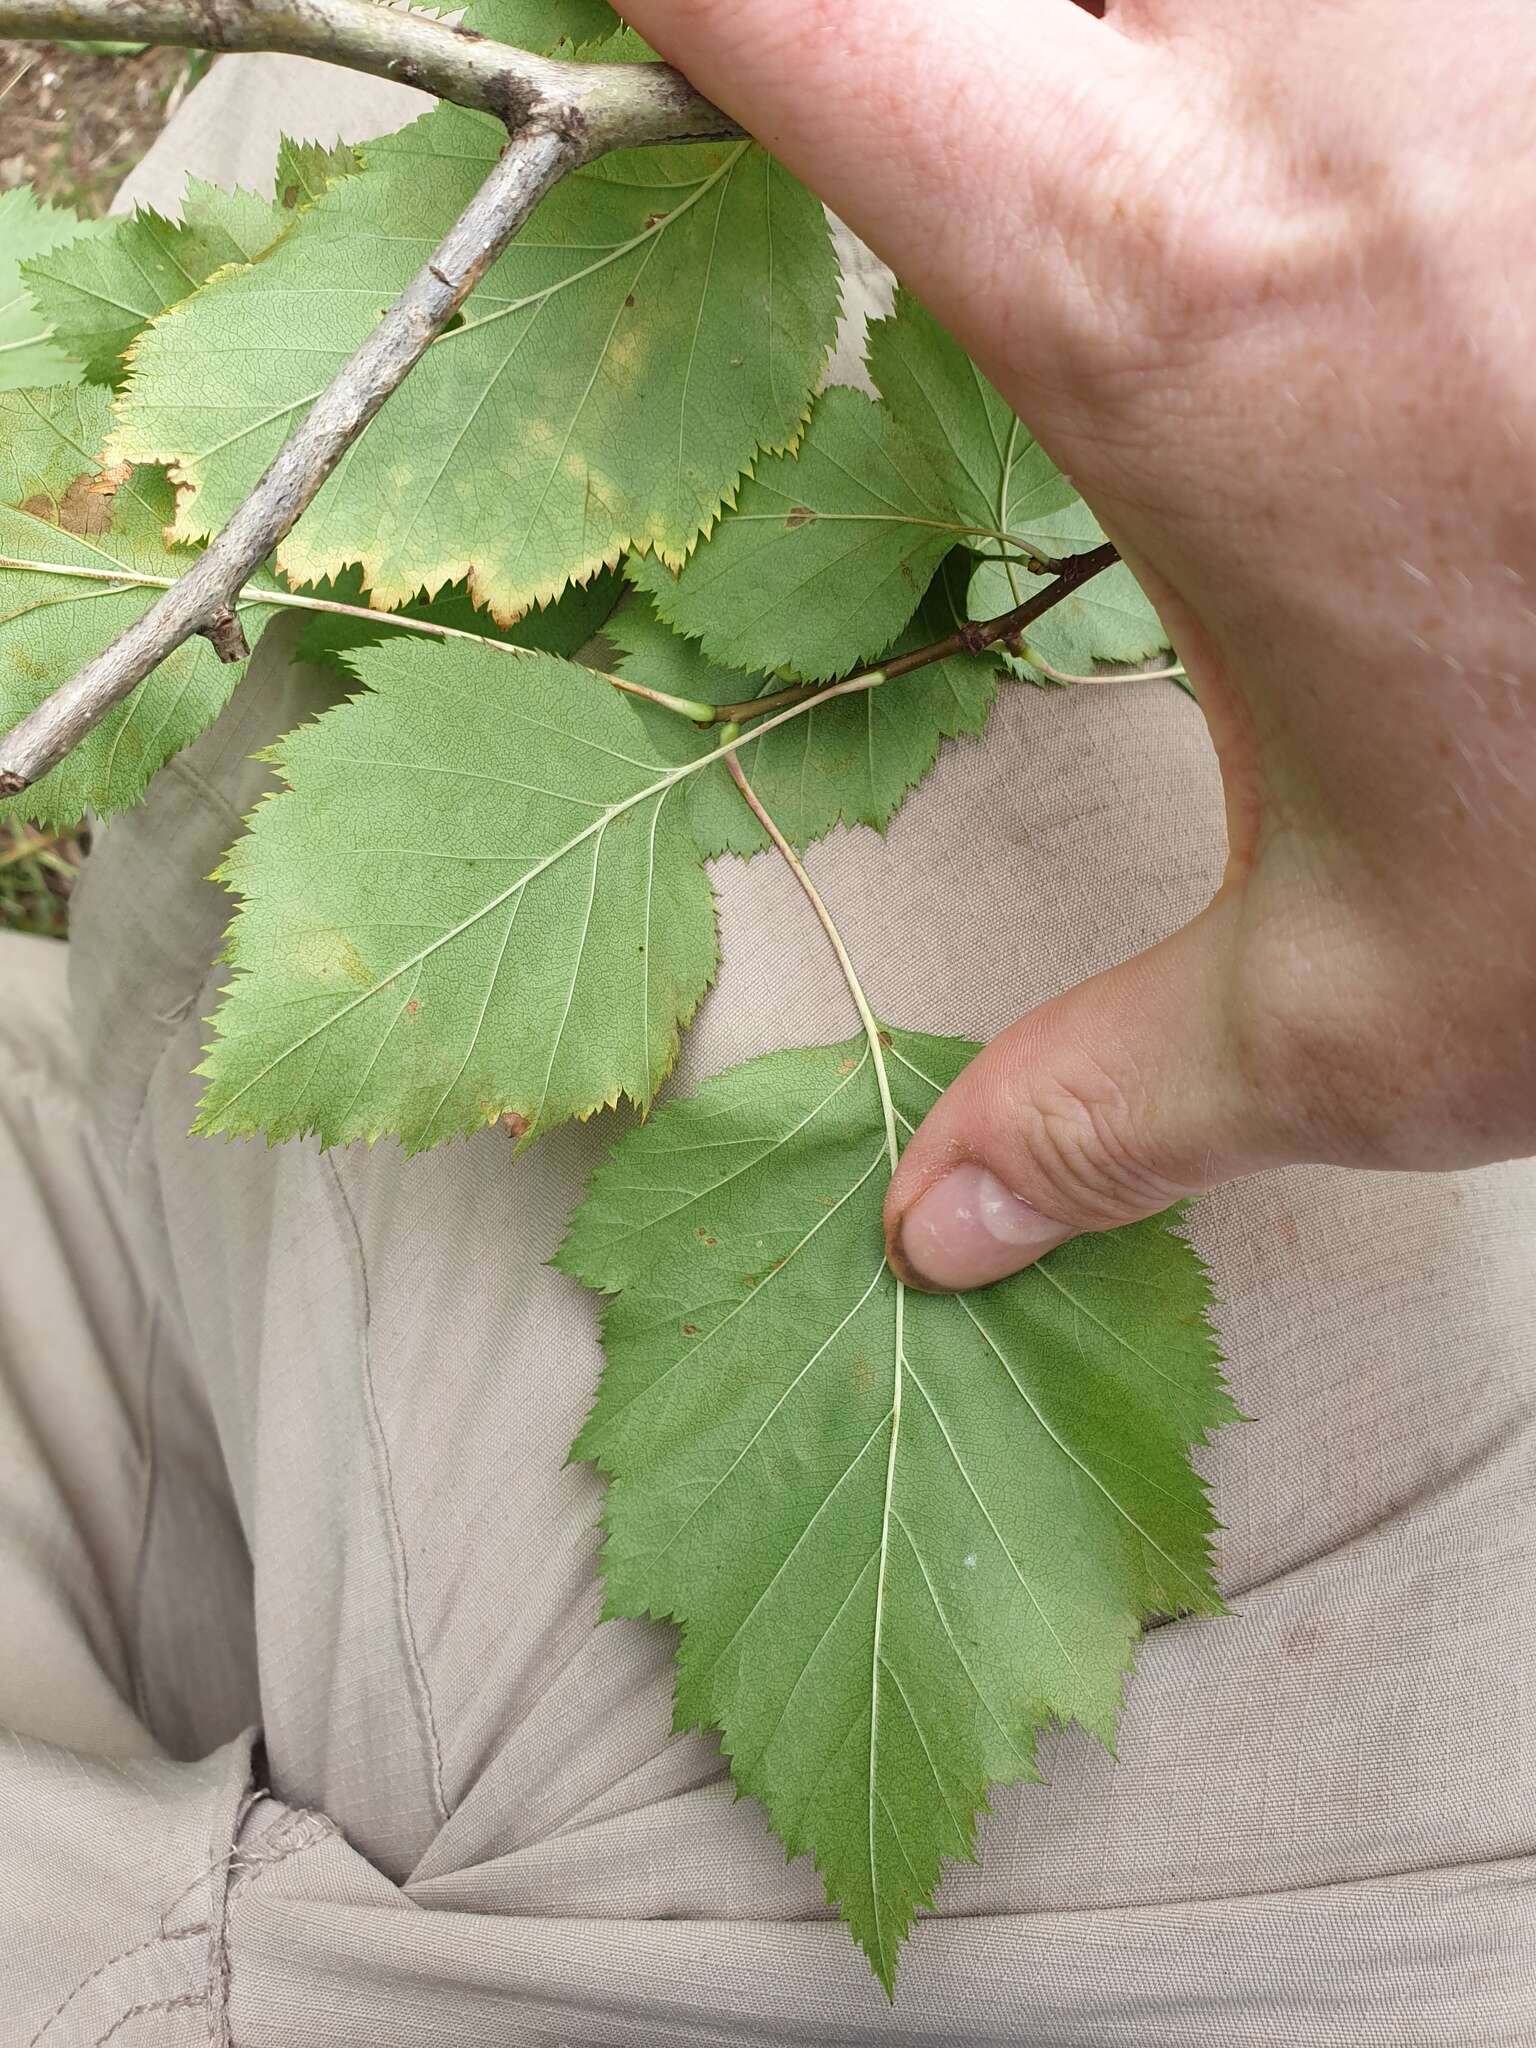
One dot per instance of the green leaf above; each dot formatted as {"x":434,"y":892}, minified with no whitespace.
{"x":479,"y":898}
{"x":563,"y":627}
{"x":307,"y":170}
{"x":851,"y":761}
{"x":825,"y":556}
{"x":997,"y":478}
{"x":28,"y":229}
{"x":549,"y":27}
{"x":664,"y":315}
{"x":49,"y":441}
{"x":51,"y":622}
{"x":99,"y":292}
{"x":817,"y":567}
{"x":901,"y":1533}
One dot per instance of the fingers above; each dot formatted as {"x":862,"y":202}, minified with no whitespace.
{"x":935,"y":130}
{"x":1102,"y":1107}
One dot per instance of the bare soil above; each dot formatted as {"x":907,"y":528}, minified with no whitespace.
{"x":73,"y":125}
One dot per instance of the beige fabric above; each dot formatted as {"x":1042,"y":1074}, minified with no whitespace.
{"x":479,"y":1828}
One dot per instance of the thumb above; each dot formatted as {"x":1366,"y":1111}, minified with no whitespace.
{"x":1100,"y":1108}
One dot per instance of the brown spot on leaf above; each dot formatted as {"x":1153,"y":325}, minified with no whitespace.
{"x":690,"y":1329}
{"x":704,"y":1237}
{"x":86,"y":506}
{"x":629,"y":298}
{"x":412,"y":1007}
{"x":291,"y":196}
{"x":802,"y":515}
{"x":514,"y":1125}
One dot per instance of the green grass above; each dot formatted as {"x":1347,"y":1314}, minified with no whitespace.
{"x":37,"y":873}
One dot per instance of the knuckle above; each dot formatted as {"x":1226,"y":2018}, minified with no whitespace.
{"x":1076,"y":1135}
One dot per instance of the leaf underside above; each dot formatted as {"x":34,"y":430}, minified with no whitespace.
{"x":97,"y":292}
{"x":852,"y":761}
{"x":901,"y":1533}
{"x":826,"y":552}
{"x":479,"y":898}
{"x":28,"y":229}
{"x":50,"y":625}
{"x":550,"y":27}
{"x":49,"y":440}
{"x":663,"y":316}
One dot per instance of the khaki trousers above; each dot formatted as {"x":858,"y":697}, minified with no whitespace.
{"x":310,"y":1736}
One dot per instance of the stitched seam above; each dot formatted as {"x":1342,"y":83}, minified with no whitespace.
{"x":301,"y":1830}
{"x":218,"y":1951}
{"x":218,"y":1954}
{"x":101,"y":1969}
{"x":187,"y":1998}
{"x":146,"y":1520}
{"x":422,"y":1690}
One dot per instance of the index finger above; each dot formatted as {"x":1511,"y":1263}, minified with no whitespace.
{"x":936,"y":130}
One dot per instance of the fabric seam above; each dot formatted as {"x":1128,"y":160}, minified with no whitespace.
{"x":183,"y":2002}
{"x":147,"y":1516}
{"x":402,"y":1573}
{"x":101,"y":1969}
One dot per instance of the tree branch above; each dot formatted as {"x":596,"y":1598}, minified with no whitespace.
{"x":976,"y":637}
{"x":202,"y":600}
{"x":617,"y":105}
{"x":564,"y":115}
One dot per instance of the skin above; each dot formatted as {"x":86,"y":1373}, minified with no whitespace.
{"x":1262,"y":278}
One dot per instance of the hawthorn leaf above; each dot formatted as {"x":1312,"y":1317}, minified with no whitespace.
{"x":901,"y":1533}
{"x":51,"y":622}
{"x":50,"y":443}
{"x":28,"y":228}
{"x":97,"y":292}
{"x":479,"y":897}
{"x":306,"y":170}
{"x":663,"y":316}
{"x":824,"y":557}
{"x":549,"y":27}
{"x":996,"y":476}
{"x":851,"y":761}
{"x":563,"y":627}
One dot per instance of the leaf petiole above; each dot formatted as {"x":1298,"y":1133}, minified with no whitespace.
{"x":835,"y":940}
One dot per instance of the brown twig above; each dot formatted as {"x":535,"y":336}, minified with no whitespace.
{"x":973,"y":638}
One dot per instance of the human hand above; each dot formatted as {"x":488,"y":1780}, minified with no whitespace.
{"x":1262,"y":279}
